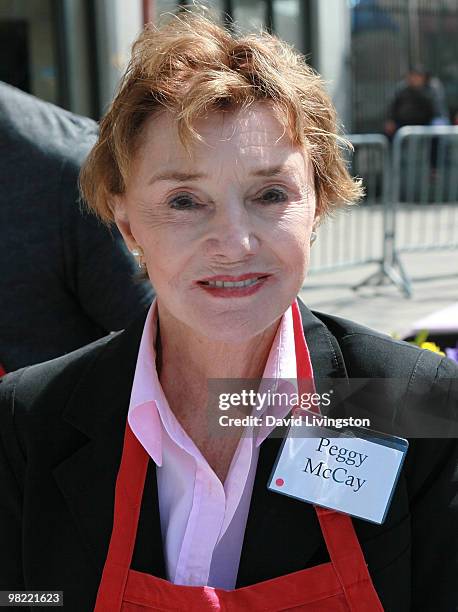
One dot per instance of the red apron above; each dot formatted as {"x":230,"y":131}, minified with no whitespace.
{"x":342,"y":584}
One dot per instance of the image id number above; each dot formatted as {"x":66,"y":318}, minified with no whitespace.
{"x":31,"y":598}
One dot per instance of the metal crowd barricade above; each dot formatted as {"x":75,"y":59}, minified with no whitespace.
{"x":411,"y":204}
{"x":355,"y":237}
{"x":424,"y":193}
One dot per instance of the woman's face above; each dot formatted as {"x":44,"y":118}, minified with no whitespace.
{"x":225,"y":231}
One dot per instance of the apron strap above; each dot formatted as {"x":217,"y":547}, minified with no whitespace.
{"x":338,"y":530}
{"x":128,"y":498}
{"x":348,"y":560}
{"x":305,"y":379}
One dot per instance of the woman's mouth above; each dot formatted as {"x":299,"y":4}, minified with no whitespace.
{"x":240,"y":286}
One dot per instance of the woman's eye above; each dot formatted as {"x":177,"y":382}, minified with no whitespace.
{"x":272,"y":196}
{"x":182,"y":201}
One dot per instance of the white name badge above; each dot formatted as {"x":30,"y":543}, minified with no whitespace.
{"x":352,"y":470}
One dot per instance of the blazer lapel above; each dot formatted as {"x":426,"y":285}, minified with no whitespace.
{"x":283,"y":534}
{"x":98,"y":407}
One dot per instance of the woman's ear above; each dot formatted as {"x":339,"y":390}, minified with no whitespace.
{"x":121,"y":218}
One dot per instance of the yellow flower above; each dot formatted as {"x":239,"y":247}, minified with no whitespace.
{"x":431,"y":346}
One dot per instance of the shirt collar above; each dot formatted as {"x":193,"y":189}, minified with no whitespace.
{"x":280,"y":367}
{"x":143,"y":416}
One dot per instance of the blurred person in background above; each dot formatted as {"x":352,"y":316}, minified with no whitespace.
{"x":413,"y":104}
{"x":66,"y":280}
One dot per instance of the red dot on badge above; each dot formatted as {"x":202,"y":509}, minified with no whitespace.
{"x":279,"y":482}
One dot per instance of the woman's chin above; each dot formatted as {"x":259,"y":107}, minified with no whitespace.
{"x":230,"y":321}
{"x":232,"y":329}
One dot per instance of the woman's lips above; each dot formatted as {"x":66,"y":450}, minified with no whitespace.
{"x":233,"y":286}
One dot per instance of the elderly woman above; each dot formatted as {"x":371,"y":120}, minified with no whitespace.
{"x":217,"y":160}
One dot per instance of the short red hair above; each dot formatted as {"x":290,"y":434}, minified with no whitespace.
{"x":192,"y":66}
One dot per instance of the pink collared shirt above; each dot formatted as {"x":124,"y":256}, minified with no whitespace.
{"x":202,"y":520}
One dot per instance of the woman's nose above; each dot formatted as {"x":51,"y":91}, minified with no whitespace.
{"x":232,"y":235}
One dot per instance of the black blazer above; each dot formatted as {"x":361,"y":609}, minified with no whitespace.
{"x":61,"y":433}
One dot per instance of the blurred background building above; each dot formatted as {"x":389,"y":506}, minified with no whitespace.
{"x":72,"y":52}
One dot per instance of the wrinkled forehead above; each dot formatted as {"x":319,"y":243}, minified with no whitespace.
{"x":236,"y":137}
{"x":256,"y":126}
